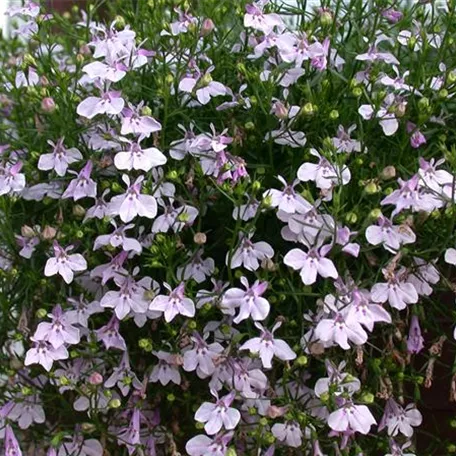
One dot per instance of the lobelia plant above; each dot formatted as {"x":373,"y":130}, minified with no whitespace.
{"x":226,"y":227}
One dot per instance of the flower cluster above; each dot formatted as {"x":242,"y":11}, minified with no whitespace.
{"x":224,"y":227}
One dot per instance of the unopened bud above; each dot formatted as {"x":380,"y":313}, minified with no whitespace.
{"x":48,"y":105}
{"x":27,"y":231}
{"x":145,"y":344}
{"x":389,"y":172}
{"x":200,"y":238}
{"x":357,"y":92}
{"x":249,"y":126}
{"x":443,"y":94}
{"x":78,"y":210}
{"x":371,"y":188}
{"x":29,"y":60}
{"x":146,"y":111}
{"x":114,"y":403}
{"x":308,"y":109}
{"x":96,"y":378}
{"x":326,"y":18}
{"x":334,"y":114}
{"x":302,"y":361}
{"x":120,"y":21}
{"x":351,"y":217}
{"x":41,"y":313}
{"x":368,"y":398}
{"x":375,"y":213}
{"x":423,"y":103}
{"x":207,"y":27}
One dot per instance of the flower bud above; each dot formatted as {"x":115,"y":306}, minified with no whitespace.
{"x":170,"y":397}
{"x":326,"y":18}
{"x":423,"y":103}
{"x":249,"y":126}
{"x":114,"y":403}
{"x":371,"y":188}
{"x":172,"y":175}
{"x":84,"y":50}
{"x":200,"y":238}
{"x":206,"y":79}
{"x":199,"y":425}
{"x":207,"y":27}
{"x":145,"y":344}
{"x":48,"y":105}
{"x":368,"y":398}
{"x":334,"y":114}
{"x":301,"y":361}
{"x":146,"y":111}
{"x":27,"y":231}
{"x":26,"y":391}
{"x":78,"y":211}
{"x":375,"y":213}
{"x":308,"y":109}
{"x":389,"y":172}
{"x":41,"y":313}
{"x":96,"y":378}
{"x":263,"y":421}
{"x":443,"y":94}
{"x":231,"y":452}
{"x":88,"y":427}
{"x":357,"y":92}
{"x":29,"y":60}
{"x":451,"y":77}
{"x":120,"y":21}
{"x":192,"y":324}
{"x":351,"y":217}
{"x":267,"y":201}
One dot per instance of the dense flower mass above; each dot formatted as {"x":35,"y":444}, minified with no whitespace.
{"x":226,"y":227}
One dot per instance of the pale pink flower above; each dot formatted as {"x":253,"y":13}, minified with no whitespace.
{"x":268,"y":347}
{"x":287,"y":200}
{"x":351,"y":417}
{"x":218,"y":415}
{"x":110,"y":336}
{"x":83,"y":185}
{"x":43,"y":353}
{"x":118,"y":238}
{"x":311,"y":264}
{"x":112,"y":70}
{"x":289,"y":433}
{"x":340,"y":329}
{"x":135,"y":123}
{"x":138,"y":158}
{"x":343,"y":142}
{"x":399,"y":420}
{"x":59,"y":159}
{"x":249,"y":254}
{"x":110,"y":102}
{"x":64,"y":264}
{"x":390,"y":236}
{"x":202,"y":445}
{"x":27,"y":411}
{"x":12,"y":447}
{"x":396,"y":291}
{"x":249,"y":301}
{"x":132,"y":203}
{"x":324,"y":174}
{"x":198,"y":269}
{"x":123,"y":377}
{"x":256,"y":19}
{"x":11,"y":179}
{"x":201,"y":356}
{"x":27,"y":245}
{"x":175,"y":303}
{"x":415,"y":341}
{"x":59,"y":332}
{"x":167,"y":369}
{"x":129,"y":297}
